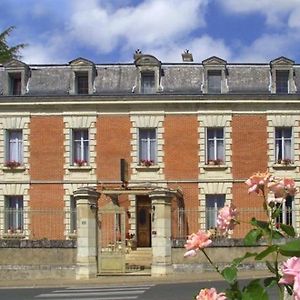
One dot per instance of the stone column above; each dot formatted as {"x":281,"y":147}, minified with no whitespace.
{"x":161,"y":232}
{"x":87,"y":203}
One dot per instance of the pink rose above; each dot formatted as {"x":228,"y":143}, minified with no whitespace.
{"x":257,"y":182}
{"x":197,"y":241}
{"x":227,"y":218}
{"x":282,"y":187}
{"x":297,"y":287}
{"x":290,"y":269}
{"x":210,"y":294}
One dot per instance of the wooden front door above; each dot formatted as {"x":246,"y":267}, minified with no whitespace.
{"x":143,"y":221}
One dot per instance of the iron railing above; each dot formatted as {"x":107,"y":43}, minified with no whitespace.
{"x":36,"y":224}
{"x":187,"y":221}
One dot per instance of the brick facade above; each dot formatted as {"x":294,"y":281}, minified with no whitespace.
{"x":203,"y":144}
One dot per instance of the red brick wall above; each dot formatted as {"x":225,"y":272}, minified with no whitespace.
{"x":113,"y":143}
{"x":181,"y":147}
{"x":46,"y":148}
{"x":249,"y":145}
{"x":46,"y":211}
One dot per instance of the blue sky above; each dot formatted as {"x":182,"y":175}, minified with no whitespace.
{"x":109,"y":31}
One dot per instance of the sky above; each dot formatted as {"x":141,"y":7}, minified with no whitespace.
{"x":109,"y":31}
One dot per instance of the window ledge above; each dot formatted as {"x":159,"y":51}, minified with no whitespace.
{"x":80,"y":168}
{"x":16,"y":169}
{"x":153,"y":168}
{"x":284,"y":167}
{"x":215,"y":167}
{"x":15,"y":235}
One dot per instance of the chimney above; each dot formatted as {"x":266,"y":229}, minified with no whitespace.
{"x":187,"y":56}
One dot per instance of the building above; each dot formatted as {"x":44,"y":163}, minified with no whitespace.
{"x":199,"y":128}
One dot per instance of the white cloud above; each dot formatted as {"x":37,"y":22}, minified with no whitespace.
{"x":201,"y":48}
{"x":55,"y":50}
{"x":269,"y":47}
{"x":277,"y":12}
{"x":152,"y":22}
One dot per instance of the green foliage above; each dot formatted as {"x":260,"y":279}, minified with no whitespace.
{"x":238,"y":260}
{"x":291,"y":248}
{"x":266,"y":252}
{"x":271,"y":268}
{"x":289,"y":230}
{"x":254,"y":290}
{"x":270,"y":281}
{"x":230,"y":274}
{"x":7,"y":52}
{"x":252,"y":237}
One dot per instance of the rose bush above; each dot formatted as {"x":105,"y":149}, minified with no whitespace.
{"x":285,"y":276}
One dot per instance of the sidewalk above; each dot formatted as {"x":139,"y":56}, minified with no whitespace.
{"x":127,"y":279}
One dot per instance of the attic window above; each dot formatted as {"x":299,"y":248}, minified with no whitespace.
{"x":282,"y":79}
{"x":147,"y":83}
{"x":15,"y":84}
{"x":82,"y":83}
{"x":214,"y":80}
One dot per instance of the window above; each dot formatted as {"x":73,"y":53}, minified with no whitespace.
{"x":147,"y":83}
{"x":214,"y":79}
{"x":82,"y":83}
{"x":14,"y":220}
{"x":147,"y":145}
{"x":80,"y":146}
{"x":213,"y":204}
{"x":14,"y":149}
{"x":15,"y":84}
{"x":286,"y":215}
{"x":282,"y":79}
{"x":283,"y":144}
{"x":215,"y":145}
{"x":73,"y":215}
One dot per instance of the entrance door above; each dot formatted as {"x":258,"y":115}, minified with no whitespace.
{"x":143,"y":221}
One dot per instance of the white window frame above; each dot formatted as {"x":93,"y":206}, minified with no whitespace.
{"x":148,"y":140}
{"x":84,"y":144}
{"x":282,"y":140}
{"x":14,"y":146}
{"x":14,"y":216}
{"x":215,"y":141}
{"x":287,"y":214}
{"x":211,"y":213}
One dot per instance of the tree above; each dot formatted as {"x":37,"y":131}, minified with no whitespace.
{"x":7,"y":52}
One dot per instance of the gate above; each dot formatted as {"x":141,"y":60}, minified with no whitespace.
{"x":111,"y":239}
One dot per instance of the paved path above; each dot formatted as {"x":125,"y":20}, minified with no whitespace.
{"x":127,"y":279}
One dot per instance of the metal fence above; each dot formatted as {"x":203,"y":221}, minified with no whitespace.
{"x":187,"y":221}
{"x":36,"y":224}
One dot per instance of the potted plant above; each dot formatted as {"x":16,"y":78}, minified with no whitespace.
{"x":12,"y":164}
{"x":146,"y":162}
{"x":80,"y":162}
{"x":286,"y":161}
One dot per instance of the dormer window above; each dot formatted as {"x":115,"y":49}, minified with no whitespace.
{"x":82,"y":82}
{"x":214,"y":81}
{"x":282,"y":81}
{"x":148,"y":79}
{"x":15,"y":84}
{"x":214,"y":76}
{"x":83,"y":77}
{"x":17,"y":78}
{"x":147,"y":83}
{"x":282,"y":76}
